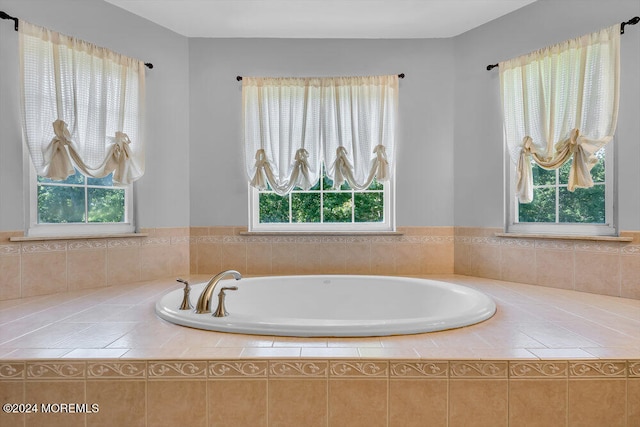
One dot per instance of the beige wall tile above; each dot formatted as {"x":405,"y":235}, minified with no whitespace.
{"x":259,"y":258}
{"x":538,"y":402}
{"x":283,"y":258}
{"x":237,"y":402}
{"x":11,"y":392}
{"x":597,"y":272}
{"x":555,"y":268}
{"x":518,"y":261}
{"x":298,"y":402}
{"x":409,"y":258}
{"x":87,"y":268}
{"x":438,"y":258}
{"x":121,"y":403}
{"x":44,"y":273}
{"x":123,"y":265}
{"x":208,"y":258}
{"x":633,"y":402}
{"x":417,"y":402}
{"x":234,"y":256}
{"x":156,"y":261}
{"x":358,"y":257}
{"x":478,"y":403}
{"x":55,"y":392}
{"x":630,"y":276}
{"x":597,"y":402}
{"x":323,"y":257}
{"x":383,"y":258}
{"x":177,"y":403}
{"x":10,"y":277}
{"x":358,"y":402}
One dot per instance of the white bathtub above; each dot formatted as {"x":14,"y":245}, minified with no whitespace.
{"x":334,"y":306}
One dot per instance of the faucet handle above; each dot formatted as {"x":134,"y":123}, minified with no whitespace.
{"x":221,"y":311}
{"x":186,"y":303}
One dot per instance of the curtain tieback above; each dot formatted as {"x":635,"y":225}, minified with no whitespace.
{"x":382,"y":164}
{"x":121,"y":145}
{"x":55,"y":156}
{"x":259,"y":181}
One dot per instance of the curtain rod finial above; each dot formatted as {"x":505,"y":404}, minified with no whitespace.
{"x":491,"y":67}
{"x":239,"y":78}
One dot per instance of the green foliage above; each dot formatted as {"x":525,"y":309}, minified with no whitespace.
{"x":105,"y":205}
{"x":61,"y":202}
{"x":323,"y":204}
{"x":584,"y":205}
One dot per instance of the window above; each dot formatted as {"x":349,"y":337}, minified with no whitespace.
{"x":78,"y":205}
{"x":323,"y":208}
{"x":319,"y":152}
{"x":556,"y":210}
{"x":82,"y":108}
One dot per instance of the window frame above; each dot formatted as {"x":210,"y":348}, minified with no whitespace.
{"x":35,"y":229}
{"x":388,"y":225}
{"x":608,"y":228}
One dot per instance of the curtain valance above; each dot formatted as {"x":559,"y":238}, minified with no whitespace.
{"x":294,"y":125}
{"x":82,"y":107}
{"x":561,"y":103}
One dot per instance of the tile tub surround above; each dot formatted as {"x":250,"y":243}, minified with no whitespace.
{"x":548,"y":357}
{"x":600,"y":267}
{"x":414,"y":251}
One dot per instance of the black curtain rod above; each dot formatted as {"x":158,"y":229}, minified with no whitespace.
{"x":4,"y":15}
{"x":632,"y":21}
{"x":239,"y":78}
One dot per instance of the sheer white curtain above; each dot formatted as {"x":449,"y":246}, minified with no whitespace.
{"x":282,"y":132}
{"x":561,"y":103}
{"x":358,"y":124}
{"x":293,"y":125}
{"x":82,"y":106}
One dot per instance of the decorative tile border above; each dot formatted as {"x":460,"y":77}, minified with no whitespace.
{"x":11,"y":249}
{"x":281,"y":369}
{"x":351,"y":369}
{"x":538,"y":369}
{"x":475,"y":369}
{"x":79,"y":245}
{"x":110,"y":370}
{"x":411,"y":369}
{"x":237,"y":369}
{"x":176,"y":369}
{"x":49,"y":246}
{"x":597,"y":369}
{"x":55,"y":370}
{"x":12,"y":370}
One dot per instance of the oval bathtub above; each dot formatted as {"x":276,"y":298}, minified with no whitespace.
{"x":334,"y":306}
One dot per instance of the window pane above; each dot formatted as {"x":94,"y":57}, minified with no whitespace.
{"x":375,"y":185}
{"x":105,"y":205}
{"x":584,"y":205}
{"x":337,"y":207}
{"x":368,"y":207}
{"x":107,"y":181}
{"x":542,"y":176}
{"x":60,"y":204}
{"x":597,"y":173}
{"x":274,"y":208}
{"x":77,"y":178}
{"x":305,"y":207}
{"x":541,"y":209}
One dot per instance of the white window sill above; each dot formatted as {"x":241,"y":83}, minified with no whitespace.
{"x":564,"y":237}
{"x":75,"y":237}
{"x":321,"y":233}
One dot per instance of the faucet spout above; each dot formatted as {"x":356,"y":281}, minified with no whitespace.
{"x":204,"y":302}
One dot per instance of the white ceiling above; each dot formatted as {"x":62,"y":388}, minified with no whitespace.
{"x":320,"y":18}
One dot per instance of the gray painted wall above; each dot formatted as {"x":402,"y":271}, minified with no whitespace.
{"x":478,"y":140}
{"x":450,"y":164}
{"x":163,"y":193}
{"x":425,"y":148}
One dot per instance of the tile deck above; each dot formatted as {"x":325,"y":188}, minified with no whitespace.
{"x":531,"y":323}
